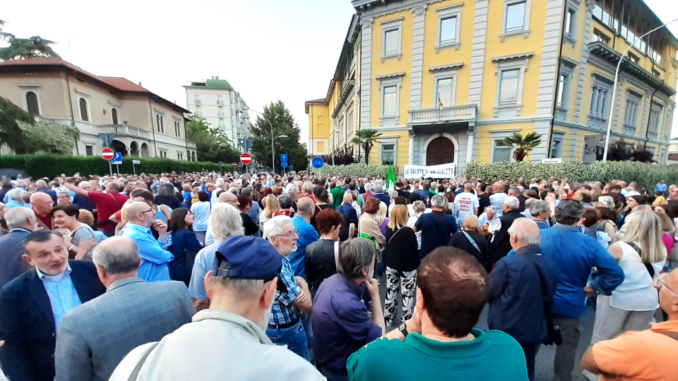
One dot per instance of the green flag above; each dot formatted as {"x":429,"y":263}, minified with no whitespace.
{"x":391,"y":179}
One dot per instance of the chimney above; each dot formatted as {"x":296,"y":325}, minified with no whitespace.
{"x":140,"y":83}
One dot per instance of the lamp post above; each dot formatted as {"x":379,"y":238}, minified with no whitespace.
{"x":614,"y":90}
{"x":245,"y":109}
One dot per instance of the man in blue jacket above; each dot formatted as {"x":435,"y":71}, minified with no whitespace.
{"x":516,"y":298}
{"x":575,"y":255}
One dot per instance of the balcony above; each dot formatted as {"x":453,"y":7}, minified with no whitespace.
{"x":221,"y":114}
{"x":450,"y":114}
{"x":190,"y":145}
{"x":220,"y":102}
{"x":124,"y":131}
{"x":197,"y":102}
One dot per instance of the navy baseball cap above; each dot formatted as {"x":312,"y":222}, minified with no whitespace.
{"x":247,"y":257}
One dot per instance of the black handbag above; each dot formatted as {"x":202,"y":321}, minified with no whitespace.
{"x":554,"y":334}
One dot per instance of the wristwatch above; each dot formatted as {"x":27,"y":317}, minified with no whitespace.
{"x":403,"y":329}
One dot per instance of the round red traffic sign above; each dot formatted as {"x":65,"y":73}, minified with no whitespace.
{"x":246,"y":158}
{"x":107,"y":154}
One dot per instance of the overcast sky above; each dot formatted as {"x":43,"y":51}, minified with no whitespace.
{"x":268,"y":50}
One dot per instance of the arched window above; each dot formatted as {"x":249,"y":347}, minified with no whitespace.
{"x":114,"y":115}
{"x":84,"y":115}
{"x":32,"y":103}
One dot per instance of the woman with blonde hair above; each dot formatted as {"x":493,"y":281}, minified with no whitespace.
{"x":641,"y":255}
{"x":401,"y":262}
{"x":381,"y":218}
{"x":271,"y":206}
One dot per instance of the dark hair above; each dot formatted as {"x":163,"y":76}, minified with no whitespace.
{"x":414,"y":196}
{"x":453,"y":285}
{"x":321,"y":194}
{"x":591,"y":216}
{"x":608,"y":214}
{"x":70,"y":210}
{"x":568,"y":212}
{"x":616,"y":187}
{"x":356,"y":255}
{"x":585,"y":198}
{"x":40,"y":236}
{"x":285,"y":201}
{"x":532,"y":194}
{"x":543,"y":194}
{"x":177,"y":220}
{"x":244,"y":202}
{"x":141,"y":192}
{"x":483,"y":187}
{"x":400,"y":200}
{"x":327,"y":219}
{"x":372,"y":205}
{"x":351,"y":186}
{"x":202,"y":196}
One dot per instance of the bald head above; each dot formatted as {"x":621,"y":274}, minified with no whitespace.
{"x":139,"y":213}
{"x":348,"y":197}
{"x":305,"y":206}
{"x":42,"y":203}
{"x":523,"y":232}
{"x":40,"y":184}
{"x":668,"y":300}
{"x":228,"y":197}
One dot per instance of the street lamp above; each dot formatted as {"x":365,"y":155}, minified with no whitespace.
{"x":245,"y":108}
{"x":614,"y":90}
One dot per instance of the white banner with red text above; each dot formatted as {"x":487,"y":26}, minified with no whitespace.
{"x":443,"y":171}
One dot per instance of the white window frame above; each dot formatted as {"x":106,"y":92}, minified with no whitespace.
{"x":448,"y":74}
{"x":445,"y":13}
{"x":36,"y":90}
{"x":571,"y":36}
{"x":388,"y":80}
{"x":520,"y":62}
{"x":658,"y":127}
{"x":117,"y":110}
{"x":567,"y":69}
{"x":386,"y":141}
{"x":600,"y":82}
{"x":89,"y":145}
{"x":631,"y":126}
{"x":560,"y":138}
{"x":499,"y":135}
{"x":387,"y":26}
{"x":525,"y":32}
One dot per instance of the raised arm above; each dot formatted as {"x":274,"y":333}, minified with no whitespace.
{"x":76,"y":189}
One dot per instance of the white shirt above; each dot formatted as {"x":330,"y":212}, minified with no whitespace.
{"x":635,"y":293}
{"x":467,"y":203}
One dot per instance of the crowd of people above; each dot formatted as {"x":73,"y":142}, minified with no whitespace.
{"x":256,"y":276}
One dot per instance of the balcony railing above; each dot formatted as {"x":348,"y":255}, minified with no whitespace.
{"x":124,"y":130}
{"x":442,"y":115}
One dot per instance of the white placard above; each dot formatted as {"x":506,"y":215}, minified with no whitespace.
{"x":443,"y":171}
{"x":552,"y":161}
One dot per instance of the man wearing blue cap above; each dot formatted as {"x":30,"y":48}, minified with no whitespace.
{"x":229,"y":338}
{"x":285,"y":327}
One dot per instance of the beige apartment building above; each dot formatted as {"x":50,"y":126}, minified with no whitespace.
{"x":135,"y":121}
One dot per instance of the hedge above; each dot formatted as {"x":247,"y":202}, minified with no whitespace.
{"x":50,"y":166}
{"x":646,"y":175}
{"x":358,"y":170}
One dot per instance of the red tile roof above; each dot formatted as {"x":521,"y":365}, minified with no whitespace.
{"x":119,"y":83}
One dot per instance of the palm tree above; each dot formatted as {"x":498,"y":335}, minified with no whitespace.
{"x":523,"y":144}
{"x":365,"y":138}
{"x":22,"y":48}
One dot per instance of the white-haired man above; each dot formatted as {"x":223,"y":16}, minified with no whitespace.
{"x":519,"y":287}
{"x":500,"y":244}
{"x":20,"y":185}
{"x":21,"y":222}
{"x":285,"y":326}
{"x":224,"y":222}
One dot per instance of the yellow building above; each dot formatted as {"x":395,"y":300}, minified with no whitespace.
{"x":447,"y":81}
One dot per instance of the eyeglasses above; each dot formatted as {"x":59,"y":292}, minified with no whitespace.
{"x":661,"y":282}
{"x":147,"y":211}
{"x":288,"y":235}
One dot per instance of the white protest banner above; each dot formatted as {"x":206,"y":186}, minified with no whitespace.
{"x":443,"y":171}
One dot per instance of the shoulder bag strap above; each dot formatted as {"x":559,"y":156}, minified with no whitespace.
{"x":673,"y":335}
{"x":548,"y":314}
{"x":648,"y":266}
{"x":137,"y":369}
{"x":473,"y":242}
{"x":394,"y":233}
{"x":117,"y":204}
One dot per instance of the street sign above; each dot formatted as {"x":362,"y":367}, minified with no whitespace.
{"x":221,"y":163}
{"x":283,"y":164}
{"x":552,"y":161}
{"x":234,"y":164}
{"x":117,"y":159}
{"x":107,"y":154}
{"x":283,"y":157}
{"x":317,"y":162}
{"x":137,"y":162}
{"x":246,"y":158}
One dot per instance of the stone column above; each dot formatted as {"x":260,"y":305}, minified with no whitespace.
{"x":410,"y":154}
{"x":469,"y":146}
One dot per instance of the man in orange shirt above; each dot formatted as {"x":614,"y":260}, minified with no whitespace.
{"x":643,"y":355}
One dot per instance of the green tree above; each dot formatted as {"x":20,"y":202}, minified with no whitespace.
{"x":22,"y":48}
{"x":524,"y":144}
{"x":211,"y":143}
{"x":4,"y":35}
{"x":47,"y":137}
{"x":365,"y":138}
{"x":279,"y":118}
{"x":10,"y":116}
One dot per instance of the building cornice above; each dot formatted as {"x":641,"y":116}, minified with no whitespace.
{"x":390,"y":76}
{"x":454,"y":66}
{"x":512,"y":57}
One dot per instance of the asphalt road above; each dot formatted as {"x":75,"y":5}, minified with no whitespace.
{"x":546,"y":354}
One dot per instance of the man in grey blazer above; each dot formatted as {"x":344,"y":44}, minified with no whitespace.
{"x":94,"y":337}
{"x":21,"y":222}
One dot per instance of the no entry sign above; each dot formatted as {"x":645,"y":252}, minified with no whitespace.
{"x":107,"y":154}
{"x":246,"y":158}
